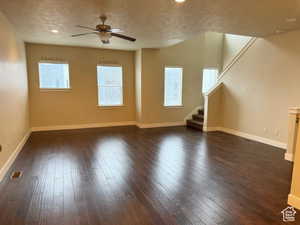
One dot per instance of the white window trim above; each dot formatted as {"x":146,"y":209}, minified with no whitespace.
{"x":54,"y":89}
{"x":211,"y":68}
{"x":111,"y":106}
{"x":54,"y":61}
{"x":173,"y":106}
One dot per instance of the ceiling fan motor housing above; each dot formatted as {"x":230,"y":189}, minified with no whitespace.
{"x":105,"y":32}
{"x":103,"y":27}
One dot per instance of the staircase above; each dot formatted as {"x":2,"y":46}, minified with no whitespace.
{"x":197,"y":121}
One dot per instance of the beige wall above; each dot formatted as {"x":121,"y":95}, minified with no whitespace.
{"x":261,"y":87}
{"x":232,"y":45}
{"x":192,"y":55}
{"x":14,"y":118}
{"x":213,"y":109}
{"x":213,"y":50}
{"x":138,"y":84}
{"x":143,"y":87}
{"x":78,"y":105}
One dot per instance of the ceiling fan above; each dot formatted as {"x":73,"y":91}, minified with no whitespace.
{"x":105,"y":32}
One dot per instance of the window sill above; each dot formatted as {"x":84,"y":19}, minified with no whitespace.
{"x":55,"y":89}
{"x":110,"y":106}
{"x":174,"y":107}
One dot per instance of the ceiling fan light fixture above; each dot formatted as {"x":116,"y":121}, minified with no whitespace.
{"x":54,"y":31}
{"x":104,"y":32}
{"x":180,"y":1}
{"x":104,"y":36}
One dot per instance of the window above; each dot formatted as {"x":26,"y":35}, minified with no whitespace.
{"x":110,"y":85}
{"x":210,"y":76}
{"x":54,"y":75}
{"x":173,"y":86}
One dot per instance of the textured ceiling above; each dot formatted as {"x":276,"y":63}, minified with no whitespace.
{"x":155,"y":23}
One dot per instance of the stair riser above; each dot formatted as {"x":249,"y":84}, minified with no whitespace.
{"x":201,"y":112}
{"x":194,"y":125}
{"x":198,"y":118}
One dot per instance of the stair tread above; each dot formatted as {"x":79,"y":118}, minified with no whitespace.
{"x":195,"y":121}
{"x":199,"y":116}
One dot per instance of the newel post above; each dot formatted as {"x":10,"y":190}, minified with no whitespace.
{"x":294,"y":114}
{"x":294,"y":150}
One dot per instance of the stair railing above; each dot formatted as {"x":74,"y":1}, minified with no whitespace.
{"x":213,"y":98}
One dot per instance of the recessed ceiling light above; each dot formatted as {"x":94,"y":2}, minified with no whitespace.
{"x":54,"y":31}
{"x":291,"y":20}
{"x":179,"y":1}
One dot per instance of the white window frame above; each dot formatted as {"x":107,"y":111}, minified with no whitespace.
{"x":54,"y":62}
{"x":98,"y":86}
{"x":164,"y":99}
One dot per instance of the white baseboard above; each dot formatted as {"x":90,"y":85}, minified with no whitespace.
{"x":248,"y":136}
{"x":13,"y":156}
{"x":167,"y":124}
{"x":289,"y":157}
{"x":294,"y":201}
{"x":255,"y":138}
{"x":210,"y":129}
{"x":82,"y":126}
{"x":112,"y":124}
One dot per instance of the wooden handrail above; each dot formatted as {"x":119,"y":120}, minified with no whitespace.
{"x":228,"y":67}
{"x":237,"y":57}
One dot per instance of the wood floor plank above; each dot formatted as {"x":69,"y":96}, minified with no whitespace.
{"x":131,"y":176}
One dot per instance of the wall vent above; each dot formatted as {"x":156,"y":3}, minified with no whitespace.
{"x":16,"y":175}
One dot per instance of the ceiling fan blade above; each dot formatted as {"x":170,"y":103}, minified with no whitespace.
{"x":116,"y":30}
{"x":76,"y":35}
{"x":89,"y":28}
{"x":123,"y":37}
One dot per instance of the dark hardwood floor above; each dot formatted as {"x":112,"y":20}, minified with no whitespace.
{"x":129,"y":176}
